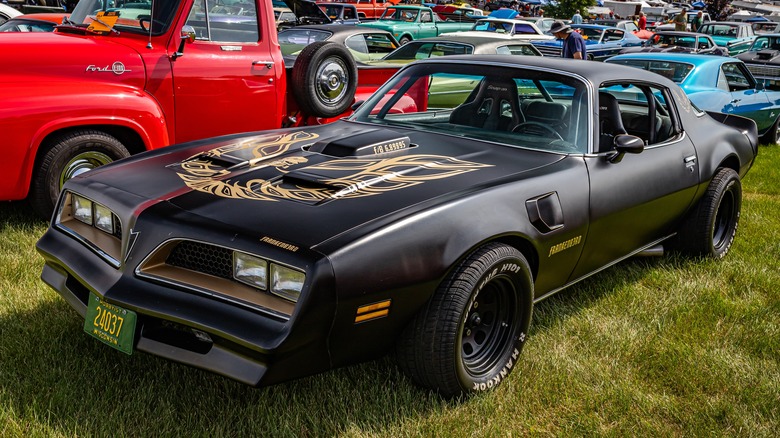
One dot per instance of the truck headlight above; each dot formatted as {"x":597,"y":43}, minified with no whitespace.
{"x":286,"y":282}
{"x":82,"y":209}
{"x":250,"y":270}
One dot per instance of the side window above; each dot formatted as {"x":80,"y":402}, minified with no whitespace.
{"x":357,"y":43}
{"x":236,"y":23}
{"x":735,"y":77}
{"x":635,"y":109}
{"x":515,"y":50}
{"x":426,"y":17}
{"x":379,"y":45}
{"x":349,"y":14}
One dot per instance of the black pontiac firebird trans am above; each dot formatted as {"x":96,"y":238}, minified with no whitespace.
{"x":428,"y":223}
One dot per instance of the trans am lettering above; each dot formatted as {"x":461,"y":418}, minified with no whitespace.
{"x":346,"y":178}
{"x":565,"y":245}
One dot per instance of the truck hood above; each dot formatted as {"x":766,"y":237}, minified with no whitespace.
{"x":63,"y":57}
{"x":307,"y":186}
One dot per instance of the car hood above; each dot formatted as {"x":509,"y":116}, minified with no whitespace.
{"x":307,"y":186}
{"x":761,"y":57}
{"x":63,"y":57}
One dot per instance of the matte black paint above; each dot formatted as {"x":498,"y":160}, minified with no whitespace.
{"x":396,"y":245}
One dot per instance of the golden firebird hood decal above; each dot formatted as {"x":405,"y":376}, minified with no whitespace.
{"x":336,"y":179}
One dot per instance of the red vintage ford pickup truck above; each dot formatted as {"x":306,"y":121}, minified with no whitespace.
{"x":124,"y":76}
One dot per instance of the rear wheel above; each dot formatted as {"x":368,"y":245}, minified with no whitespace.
{"x":710,"y":228}
{"x":468,"y":338}
{"x":404,"y":39}
{"x":69,"y":156}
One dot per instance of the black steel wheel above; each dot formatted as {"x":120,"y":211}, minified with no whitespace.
{"x":469,"y":336}
{"x":69,"y":156}
{"x":711,"y":227}
{"x":324,"y":79}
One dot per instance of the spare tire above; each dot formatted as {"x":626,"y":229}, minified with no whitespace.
{"x":324,"y":79}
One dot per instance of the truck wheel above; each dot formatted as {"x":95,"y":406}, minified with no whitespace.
{"x":469,"y":336}
{"x":710,"y":228}
{"x":324,"y":79}
{"x":70,"y":155}
{"x":403,"y":40}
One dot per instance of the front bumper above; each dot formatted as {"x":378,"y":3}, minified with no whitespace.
{"x":240,"y":343}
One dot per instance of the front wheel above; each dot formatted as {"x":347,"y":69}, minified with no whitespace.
{"x":404,"y":39}
{"x":469,"y":336}
{"x":773,"y":134}
{"x":69,"y":156}
{"x":711,"y":227}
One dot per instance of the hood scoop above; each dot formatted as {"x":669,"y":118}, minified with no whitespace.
{"x":766,"y":54}
{"x":375,"y":142}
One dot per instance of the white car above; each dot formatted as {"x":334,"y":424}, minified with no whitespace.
{"x":517,"y":29}
{"x":7,"y":12}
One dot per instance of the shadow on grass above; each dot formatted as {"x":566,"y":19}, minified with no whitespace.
{"x":18,"y":214}
{"x":51,"y":369}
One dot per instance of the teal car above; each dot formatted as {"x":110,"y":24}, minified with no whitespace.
{"x":715,"y":83}
{"x":408,"y":23}
{"x":733,"y":36}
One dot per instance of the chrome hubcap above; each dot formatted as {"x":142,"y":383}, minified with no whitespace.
{"x":332,"y":81}
{"x":81,"y":163}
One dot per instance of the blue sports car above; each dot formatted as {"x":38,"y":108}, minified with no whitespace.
{"x":715,"y":83}
{"x":602,"y":41}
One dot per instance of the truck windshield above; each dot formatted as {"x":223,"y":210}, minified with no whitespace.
{"x":105,"y":16}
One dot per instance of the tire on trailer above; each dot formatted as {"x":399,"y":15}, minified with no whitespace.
{"x":710,"y":228}
{"x":469,"y":336}
{"x":324,"y":79}
{"x":70,"y":155}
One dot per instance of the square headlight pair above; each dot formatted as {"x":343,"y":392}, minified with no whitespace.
{"x":253,"y":271}
{"x":93,"y":214}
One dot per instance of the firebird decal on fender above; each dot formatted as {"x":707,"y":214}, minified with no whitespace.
{"x":346,"y":178}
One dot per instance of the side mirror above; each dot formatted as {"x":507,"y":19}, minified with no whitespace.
{"x":187,"y":36}
{"x":357,"y":105}
{"x":760,"y":86}
{"x":626,"y":144}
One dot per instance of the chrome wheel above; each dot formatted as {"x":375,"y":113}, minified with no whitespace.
{"x":332,"y":80}
{"x":81,"y":163}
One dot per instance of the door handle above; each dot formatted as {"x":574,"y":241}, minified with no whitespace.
{"x":736,"y":101}
{"x":690,"y":162}
{"x":268,"y":64}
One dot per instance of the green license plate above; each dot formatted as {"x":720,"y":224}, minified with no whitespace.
{"x":111,"y":324}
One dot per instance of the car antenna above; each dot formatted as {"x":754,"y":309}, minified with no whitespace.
{"x":151,"y":23}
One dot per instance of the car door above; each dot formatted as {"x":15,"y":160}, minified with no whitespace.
{"x":611,"y":43}
{"x":746,"y":100}
{"x":636,"y":200}
{"x":226,"y":80}
{"x":427,"y":26}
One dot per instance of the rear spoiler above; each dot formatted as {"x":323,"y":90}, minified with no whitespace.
{"x":742,"y":124}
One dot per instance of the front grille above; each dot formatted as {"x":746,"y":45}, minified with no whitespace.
{"x":200,"y":257}
{"x":550,"y":51}
{"x":764,"y":71}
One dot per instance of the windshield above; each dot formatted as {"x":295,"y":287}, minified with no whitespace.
{"x":123,"y":15}
{"x":676,"y":71}
{"x":519,"y":107}
{"x":421,"y":50}
{"x":721,"y":30}
{"x":762,"y":43}
{"x":675,"y":40}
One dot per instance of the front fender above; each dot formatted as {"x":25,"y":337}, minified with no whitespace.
{"x":34,"y":112}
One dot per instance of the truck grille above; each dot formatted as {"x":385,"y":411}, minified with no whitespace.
{"x":761,"y":71}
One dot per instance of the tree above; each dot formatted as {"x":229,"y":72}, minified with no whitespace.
{"x":566,"y":8}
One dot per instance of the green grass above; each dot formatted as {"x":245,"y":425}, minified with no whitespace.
{"x":651,"y":347}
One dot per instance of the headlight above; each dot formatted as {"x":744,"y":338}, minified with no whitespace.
{"x":104,"y":219}
{"x":286,"y":283}
{"x":82,"y":209}
{"x":250,"y":270}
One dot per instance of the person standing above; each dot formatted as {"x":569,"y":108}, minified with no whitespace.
{"x":573,"y":43}
{"x":697,"y":21}
{"x":576,"y":18}
{"x":681,"y":21}
{"x":642,"y":22}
